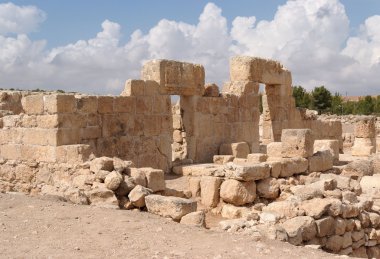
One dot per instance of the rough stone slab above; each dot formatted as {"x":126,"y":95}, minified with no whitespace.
{"x":174,"y":77}
{"x":167,"y":206}
{"x":248,"y":172}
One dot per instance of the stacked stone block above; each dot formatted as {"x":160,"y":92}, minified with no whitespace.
{"x":365,"y":137}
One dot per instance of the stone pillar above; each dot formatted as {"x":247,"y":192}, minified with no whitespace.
{"x":365,"y":137}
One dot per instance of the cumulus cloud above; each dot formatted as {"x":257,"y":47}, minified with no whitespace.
{"x":310,"y":37}
{"x":19,"y":19}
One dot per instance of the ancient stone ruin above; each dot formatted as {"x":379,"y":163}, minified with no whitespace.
{"x":276,"y":175}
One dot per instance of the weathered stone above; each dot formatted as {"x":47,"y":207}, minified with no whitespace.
{"x":211,"y":90}
{"x":195,"y":186}
{"x":330,"y":145}
{"x":172,"y":207}
{"x":138,"y":176}
{"x":275,"y":168}
{"x":274,"y":149}
{"x":196,"y":219}
{"x":210,"y":190}
{"x":268,"y":188}
{"x":325,"y":226}
{"x":334,"y":243}
{"x":291,"y":166}
{"x":349,"y":211}
{"x":103,"y":197}
{"x":286,"y":209}
{"x":113,"y":180}
{"x":316,"y":208}
{"x":320,"y":161}
{"x":138,"y":194}
{"x":297,"y":143}
{"x":304,"y":225}
{"x":154,"y":178}
{"x":222,"y":159}
{"x":304,"y":192}
{"x":357,"y":169}
{"x":230,"y":211}
{"x":340,"y":226}
{"x":238,"y":150}
{"x":256,"y":158}
{"x":238,"y":193}
{"x":370,"y":184}
{"x":249,"y":172}
{"x":101,"y":163}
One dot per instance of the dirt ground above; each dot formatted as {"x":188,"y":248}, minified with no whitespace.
{"x":41,"y":227}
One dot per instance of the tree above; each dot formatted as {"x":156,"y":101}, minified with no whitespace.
{"x":337,"y":104}
{"x":366,"y":106}
{"x":321,"y":99}
{"x":302,"y":97}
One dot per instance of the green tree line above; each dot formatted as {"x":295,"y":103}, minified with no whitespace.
{"x":321,"y":99}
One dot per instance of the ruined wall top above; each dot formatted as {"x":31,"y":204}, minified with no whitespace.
{"x":174,"y":77}
{"x":244,"y":68}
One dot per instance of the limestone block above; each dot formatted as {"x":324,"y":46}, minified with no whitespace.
{"x":238,"y":150}
{"x":59,"y":103}
{"x":258,"y":70}
{"x":196,"y":219}
{"x":125,"y":104}
{"x":87,"y":104}
{"x":268,"y":188}
{"x":363,"y":147}
{"x":365,"y":127}
{"x":133,"y":88}
{"x":316,"y":208}
{"x":101,"y":163}
{"x":297,"y":143}
{"x":330,"y":145}
{"x":195,"y":186}
{"x":304,"y":192}
{"x":302,"y":225}
{"x":138,"y":176}
{"x":222,"y":159}
{"x":48,"y":121}
{"x":325,"y":226}
{"x":73,"y":153}
{"x":168,"y":206}
{"x":358,"y":169}
{"x":175,"y":78}
{"x":370,"y":184}
{"x":275,"y":168}
{"x":334,"y":243}
{"x":210,"y":190}
{"x":155,"y":178}
{"x":43,"y":137}
{"x":240,"y":88}
{"x":138,"y":194}
{"x":285,"y":209}
{"x":238,"y":193}
{"x":292,"y":166}
{"x":67,"y":136}
{"x":343,"y":183}
{"x":11,"y":151}
{"x":321,"y":161}
{"x":105,"y":104}
{"x":113,"y":180}
{"x":257,"y":158}
{"x":103,"y":197}
{"x":211,"y":90}
{"x":230,"y":211}
{"x":33,"y":104}
{"x":249,"y":172}
{"x":38,"y":153}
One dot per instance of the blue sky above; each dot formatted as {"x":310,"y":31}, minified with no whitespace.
{"x":87,"y":46}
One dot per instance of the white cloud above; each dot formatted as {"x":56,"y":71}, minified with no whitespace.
{"x":311,"y":37}
{"x":19,"y":19}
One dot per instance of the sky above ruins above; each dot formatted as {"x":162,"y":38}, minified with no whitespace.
{"x":94,"y":46}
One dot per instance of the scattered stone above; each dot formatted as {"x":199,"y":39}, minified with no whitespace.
{"x":138,"y":194}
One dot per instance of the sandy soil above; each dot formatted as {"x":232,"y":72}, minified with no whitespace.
{"x":40,"y":227}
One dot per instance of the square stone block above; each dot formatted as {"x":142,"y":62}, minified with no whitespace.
{"x":297,"y":143}
{"x":59,"y":103}
{"x":33,"y":104}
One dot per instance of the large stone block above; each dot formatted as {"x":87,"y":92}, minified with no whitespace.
{"x":172,"y":207}
{"x":248,"y":172}
{"x":238,"y":150}
{"x":365,"y":127}
{"x":240,"y":88}
{"x":33,"y":104}
{"x":133,"y":88}
{"x":238,"y":193}
{"x":258,"y":70}
{"x":87,"y":104}
{"x":291,"y":166}
{"x":321,"y":161}
{"x":297,"y":143}
{"x":210,"y":190}
{"x":176,"y":78}
{"x":332,"y":145}
{"x":59,"y":103}
{"x":274,"y":149}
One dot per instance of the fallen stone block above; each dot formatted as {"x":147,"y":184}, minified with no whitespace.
{"x":172,"y":207}
{"x":138,"y":194}
{"x":222,"y":159}
{"x":357,"y":169}
{"x":197,"y":219}
{"x":330,"y":145}
{"x":297,"y":143}
{"x":155,"y":178}
{"x":230,"y":211}
{"x":268,"y":188}
{"x":103,"y":197}
{"x":316,"y":208}
{"x":274,"y":149}
{"x":101,"y":163}
{"x":292,"y":166}
{"x":249,"y":172}
{"x":256,"y":158}
{"x":321,"y":161}
{"x":210,"y":190}
{"x":238,"y":193}
{"x":302,"y":225}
